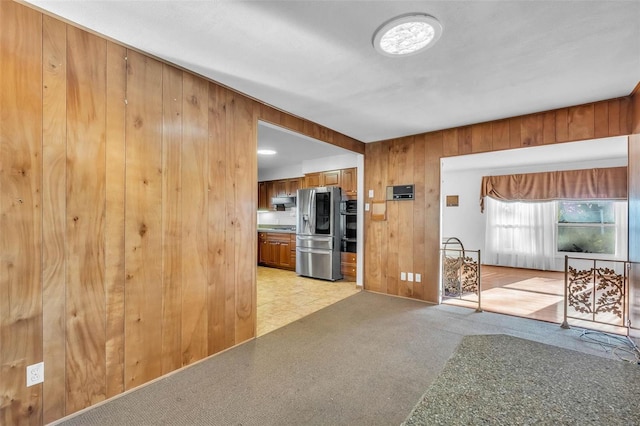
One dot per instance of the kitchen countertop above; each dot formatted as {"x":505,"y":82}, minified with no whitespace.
{"x":282,"y":229}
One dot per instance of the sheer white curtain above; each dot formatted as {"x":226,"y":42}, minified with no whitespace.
{"x":520,"y":234}
{"x":621,"y":210}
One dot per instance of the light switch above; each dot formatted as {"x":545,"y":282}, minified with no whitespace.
{"x":366,"y":207}
{"x":410,"y":276}
{"x":403,"y":276}
{"x":371,"y":193}
{"x":418,"y":278}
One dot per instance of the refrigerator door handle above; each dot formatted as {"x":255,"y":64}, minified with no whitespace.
{"x":314,"y":250}
{"x":312,"y":211}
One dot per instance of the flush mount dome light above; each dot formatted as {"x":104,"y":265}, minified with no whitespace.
{"x":266,"y":152}
{"x":407,"y":34}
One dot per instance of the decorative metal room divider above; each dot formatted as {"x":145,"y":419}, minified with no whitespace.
{"x":596,"y":290}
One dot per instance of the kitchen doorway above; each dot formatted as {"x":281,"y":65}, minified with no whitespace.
{"x":281,"y":295}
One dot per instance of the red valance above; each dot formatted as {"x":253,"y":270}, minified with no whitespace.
{"x":596,"y":184}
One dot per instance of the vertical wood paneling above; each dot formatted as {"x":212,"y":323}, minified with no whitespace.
{"x":614,"y":116}
{"x":601,"y":119}
{"x":373,"y":229}
{"x":143,"y":222}
{"x":432,"y":219}
{"x":581,"y":122}
{"x":562,"y":125}
{"x":20,"y":212}
{"x":195,"y":190}
{"x":419,"y":208}
{"x":216,"y":293}
{"x":549,"y":127}
{"x":229,"y":221}
{"x":450,"y":142}
{"x":85,"y":201}
{"x":172,"y":96}
{"x":395,"y":164}
{"x":404,"y":219}
{"x":532,"y":130}
{"x":54,"y":155}
{"x":515,"y":125}
{"x":500,"y":135}
{"x":626,"y":113}
{"x":635,"y":109}
{"x":246,"y":196}
{"x":465,"y":140}
{"x":114,"y":218}
{"x":481,"y":137}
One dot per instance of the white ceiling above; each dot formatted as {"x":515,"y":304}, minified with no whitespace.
{"x":291,"y":148}
{"x":315,"y":59}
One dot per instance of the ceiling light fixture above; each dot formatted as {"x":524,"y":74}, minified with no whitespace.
{"x":266,"y":152}
{"x":407,"y":34}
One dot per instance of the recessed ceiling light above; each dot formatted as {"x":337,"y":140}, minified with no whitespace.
{"x":407,"y":34}
{"x":266,"y":152}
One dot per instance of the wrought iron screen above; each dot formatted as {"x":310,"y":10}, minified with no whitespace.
{"x":596,"y":290}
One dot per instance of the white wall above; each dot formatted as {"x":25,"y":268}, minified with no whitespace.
{"x":463,"y":176}
{"x":310,"y":166}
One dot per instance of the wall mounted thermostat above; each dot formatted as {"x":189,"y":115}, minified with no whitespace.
{"x":400,"y":193}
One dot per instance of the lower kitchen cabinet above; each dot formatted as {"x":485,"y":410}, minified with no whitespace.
{"x":275,"y":250}
{"x":348,"y":265}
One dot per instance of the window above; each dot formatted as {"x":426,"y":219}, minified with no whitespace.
{"x":586,"y":227}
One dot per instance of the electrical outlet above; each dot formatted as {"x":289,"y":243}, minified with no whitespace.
{"x":35,"y":374}
{"x":418,"y":278}
{"x":366,"y":207}
{"x":403,"y":276}
{"x":410,"y":276}
{"x":371,"y":193}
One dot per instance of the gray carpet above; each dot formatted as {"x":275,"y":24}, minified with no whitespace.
{"x":365,"y":360}
{"x":504,"y":380}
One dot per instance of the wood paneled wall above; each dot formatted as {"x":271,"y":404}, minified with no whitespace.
{"x":408,"y":240}
{"x":127,"y":215}
{"x":635,"y":108}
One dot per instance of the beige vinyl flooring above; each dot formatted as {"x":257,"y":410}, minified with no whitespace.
{"x":284,"y":297}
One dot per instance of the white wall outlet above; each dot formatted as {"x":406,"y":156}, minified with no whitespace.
{"x":371,"y":193}
{"x":35,"y":374}
{"x":418,"y":278}
{"x":410,"y":276}
{"x":366,"y":207}
{"x":403,"y":276}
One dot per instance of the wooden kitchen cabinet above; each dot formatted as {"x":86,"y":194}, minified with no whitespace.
{"x":263,"y":200}
{"x":331,"y":178}
{"x":292,"y":186}
{"x":312,"y":180}
{"x":347,"y":179}
{"x":349,"y":182}
{"x":348,"y":265}
{"x":276,"y":188}
{"x":274,"y":249}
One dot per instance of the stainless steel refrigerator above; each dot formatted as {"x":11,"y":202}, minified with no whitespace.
{"x":318,"y":233}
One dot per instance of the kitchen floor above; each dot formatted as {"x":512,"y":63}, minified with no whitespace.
{"x":284,"y":297}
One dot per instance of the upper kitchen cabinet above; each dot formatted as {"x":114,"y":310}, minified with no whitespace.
{"x":263,"y":199}
{"x":312,"y":180}
{"x":347,"y":179}
{"x":349,"y":182}
{"x":331,"y":178}
{"x":276,"y":188}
